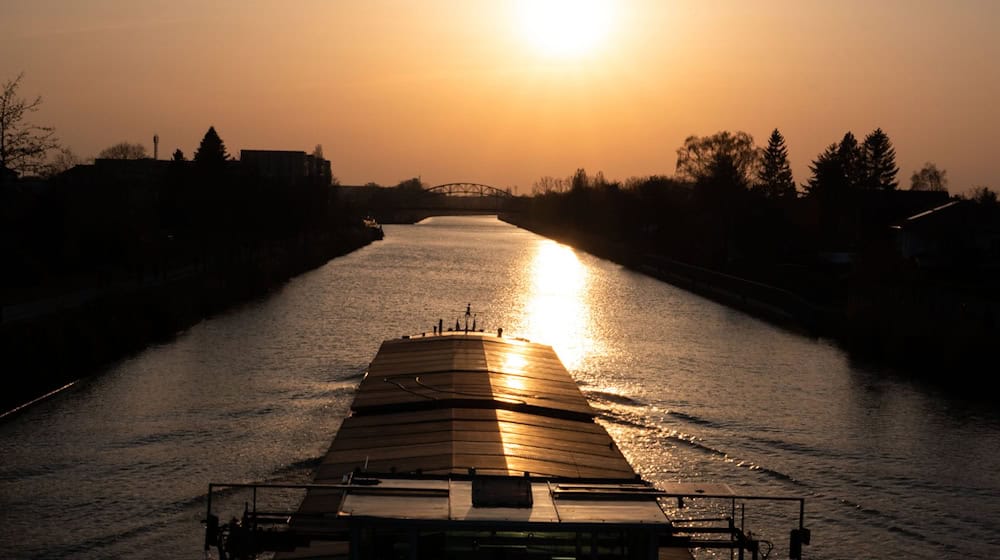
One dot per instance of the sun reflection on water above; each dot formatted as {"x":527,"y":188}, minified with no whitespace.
{"x":557,"y":304}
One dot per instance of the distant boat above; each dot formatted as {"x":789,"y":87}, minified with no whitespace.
{"x":467,"y":444}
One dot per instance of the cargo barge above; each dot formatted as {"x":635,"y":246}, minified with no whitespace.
{"x":467,"y":444}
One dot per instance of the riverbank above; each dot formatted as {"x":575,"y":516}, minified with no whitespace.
{"x":899,"y":321}
{"x":772,"y":303}
{"x":49,"y":343}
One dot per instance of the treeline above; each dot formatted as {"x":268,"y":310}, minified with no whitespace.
{"x":105,"y":258}
{"x":136,"y":214}
{"x":735,"y":209}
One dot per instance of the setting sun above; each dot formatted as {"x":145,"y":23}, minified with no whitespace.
{"x":565,"y":28}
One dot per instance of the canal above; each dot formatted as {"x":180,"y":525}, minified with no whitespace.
{"x":118,"y":465}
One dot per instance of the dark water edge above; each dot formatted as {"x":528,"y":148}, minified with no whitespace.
{"x":954,"y":356}
{"x":43,"y":354}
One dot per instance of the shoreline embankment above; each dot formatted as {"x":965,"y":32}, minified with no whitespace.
{"x":47,"y":344}
{"x":913,"y":327}
{"x":769,"y":302}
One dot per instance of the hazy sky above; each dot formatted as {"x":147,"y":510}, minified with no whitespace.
{"x":505,"y":92}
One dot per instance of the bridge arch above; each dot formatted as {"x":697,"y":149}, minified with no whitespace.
{"x":469,"y":189}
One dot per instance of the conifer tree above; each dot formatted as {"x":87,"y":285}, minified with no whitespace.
{"x":211,"y":151}
{"x":828,"y":175}
{"x":851,"y":157}
{"x":879,"y":172}
{"x":774,"y":177}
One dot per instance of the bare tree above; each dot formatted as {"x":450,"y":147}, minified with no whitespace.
{"x":579,"y":180}
{"x":548,"y":184}
{"x":929,"y":178}
{"x":984,"y":195}
{"x":124,"y":150}
{"x":723,"y":153}
{"x":63,"y":160}
{"x":22,"y":145}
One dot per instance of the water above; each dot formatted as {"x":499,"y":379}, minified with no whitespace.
{"x":118,"y":466}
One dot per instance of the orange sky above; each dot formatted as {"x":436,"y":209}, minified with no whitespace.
{"x":457,"y":90}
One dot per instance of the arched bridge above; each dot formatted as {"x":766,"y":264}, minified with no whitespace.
{"x":463,"y":198}
{"x":468,"y":189}
{"x":406,"y":204}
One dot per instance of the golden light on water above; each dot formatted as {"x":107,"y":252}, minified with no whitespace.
{"x":557,"y":306}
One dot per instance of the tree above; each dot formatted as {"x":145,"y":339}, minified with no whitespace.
{"x":828,"y":177}
{"x":879,"y":162}
{"x":413,"y":184}
{"x":721,"y":155}
{"x":123,"y":150}
{"x":23,"y":146}
{"x":211,"y":151}
{"x":851,"y":158}
{"x":579,"y":180}
{"x":929,"y":178}
{"x":178,"y":155}
{"x":601,"y":183}
{"x":548,"y":184}
{"x":847,"y":166}
{"x":63,"y":160}
{"x":984,"y":196}
{"x":774,"y":176}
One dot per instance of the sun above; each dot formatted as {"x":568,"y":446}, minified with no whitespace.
{"x":565,"y":28}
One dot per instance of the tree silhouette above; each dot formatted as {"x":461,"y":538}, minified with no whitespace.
{"x":579,"y":180}
{"x":879,"y":162}
{"x":851,"y":157}
{"x":721,"y":155}
{"x":548,"y":184}
{"x":123,"y":150}
{"x":774,"y":177}
{"x":984,"y":196}
{"x":178,"y":155}
{"x":63,"y":160}
{"x":22,"y":145}
{"x":211,"y":151}
{"x":828,"y":175}
{"x":413,"y":184}
{"x":929,"y":178}
{"x":846,"y":166}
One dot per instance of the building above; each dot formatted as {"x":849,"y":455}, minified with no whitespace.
{"x":960,"y":233}
{"x":294,"y":167}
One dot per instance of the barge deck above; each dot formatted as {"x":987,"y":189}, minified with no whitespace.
{"x":465,"y":444}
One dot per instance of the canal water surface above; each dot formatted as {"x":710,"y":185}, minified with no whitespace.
{"x":118,"y":466}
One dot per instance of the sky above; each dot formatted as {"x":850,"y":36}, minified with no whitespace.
{"x":507,"y":92}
